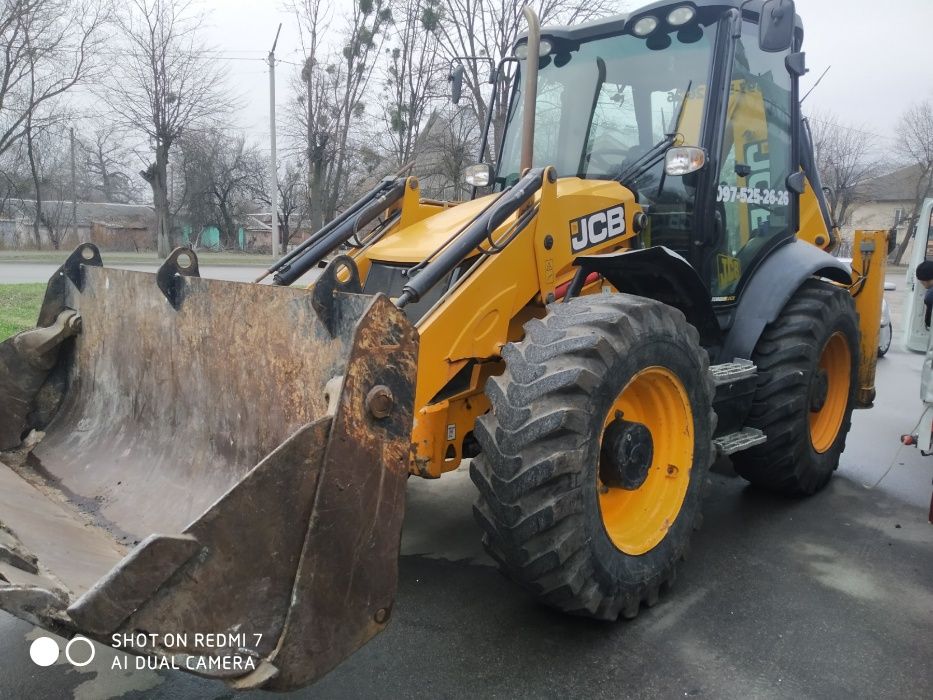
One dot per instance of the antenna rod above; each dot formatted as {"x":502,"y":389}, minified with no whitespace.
{"x":815,"y":84}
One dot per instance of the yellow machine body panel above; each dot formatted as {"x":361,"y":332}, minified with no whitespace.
{"x":869,"y":256}
{"x":468,"y":328}
{"x":813,"y":227}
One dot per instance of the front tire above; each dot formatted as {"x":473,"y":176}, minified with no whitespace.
{"x":884,"y":340}
{"x":807,"y":380}
{"x":595,"y":454}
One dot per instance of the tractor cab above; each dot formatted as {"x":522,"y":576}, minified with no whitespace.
{"x":692,"y":107}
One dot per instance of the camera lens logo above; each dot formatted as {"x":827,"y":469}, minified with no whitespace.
{"x":79,"y":651}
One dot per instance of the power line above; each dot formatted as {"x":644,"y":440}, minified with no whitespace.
{"x":851,"y":128}
{"x":211,"y":53}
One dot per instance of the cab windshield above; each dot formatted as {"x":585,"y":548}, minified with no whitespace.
{"x":604,"y":103}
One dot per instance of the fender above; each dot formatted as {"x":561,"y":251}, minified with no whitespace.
{"x":660,"y":273}
{"x":771,"y":287}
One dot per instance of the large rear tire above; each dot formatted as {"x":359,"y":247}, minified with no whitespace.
{"x":595,"y":454}
{"x":808,"y":376}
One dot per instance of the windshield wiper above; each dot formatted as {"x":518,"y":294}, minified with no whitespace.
{"x":629,"y":176}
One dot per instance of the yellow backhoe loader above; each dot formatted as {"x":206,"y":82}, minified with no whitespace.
{"x":643,"y":284}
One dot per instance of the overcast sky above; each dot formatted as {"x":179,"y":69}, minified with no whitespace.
{"x":880,"y":62}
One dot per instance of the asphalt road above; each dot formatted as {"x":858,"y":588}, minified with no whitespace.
{"x":828,"y":597}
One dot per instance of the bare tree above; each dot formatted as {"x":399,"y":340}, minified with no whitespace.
{"x":413,"y":74}
{"x":103,"y":157}
{"x":915,"y":146}
{"x":489,"y":29}
{"x":315,"y":113}
{"x":293,"y":202}
{"x":445,"y":149}
{"x":46,"y":48}
{"x":12,"y":178}
{"x":163,"y":87}
{"x":332,"y":100}
{"x":846,"y":158}
{"x":221,"y":176}
{"x":46,"y":149}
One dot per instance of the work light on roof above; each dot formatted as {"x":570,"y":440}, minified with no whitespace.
{"x":645,"y":26}
{"x":680,"y":16}
{"x":544,"y":48}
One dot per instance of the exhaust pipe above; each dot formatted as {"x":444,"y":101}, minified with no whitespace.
{"x":531,"y":88}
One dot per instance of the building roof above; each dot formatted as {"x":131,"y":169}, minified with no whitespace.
{"x":897,"y":186}
{"x":109,"y":213}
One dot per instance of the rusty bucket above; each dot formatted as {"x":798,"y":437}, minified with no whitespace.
{"x":182,"y":457}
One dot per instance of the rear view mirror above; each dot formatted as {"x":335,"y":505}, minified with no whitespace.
{"x":683,"y":160}
{"x":456,"y":83}
{"x":479,"y":175}
{"x":776,"y":25}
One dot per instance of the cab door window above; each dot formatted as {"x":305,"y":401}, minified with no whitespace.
{"x":753,"y":207}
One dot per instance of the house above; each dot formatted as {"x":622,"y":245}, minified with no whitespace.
{"x":124,"y":227}
{"x":886,"y":201}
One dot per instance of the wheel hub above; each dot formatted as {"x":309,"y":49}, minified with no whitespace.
{"x":626,"y":455}
{"x":819,"y":390}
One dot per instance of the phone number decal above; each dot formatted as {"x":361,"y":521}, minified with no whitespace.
{"x":752,"y":195}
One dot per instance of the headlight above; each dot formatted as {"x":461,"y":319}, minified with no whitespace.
{"x":645,"y":26}
{"x":680,"y":15}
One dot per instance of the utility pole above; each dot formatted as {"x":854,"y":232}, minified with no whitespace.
{"x":273,"y":165}
{"x":74,"y":189}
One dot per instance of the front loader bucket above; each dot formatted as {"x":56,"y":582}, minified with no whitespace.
{"x":218,"y":459}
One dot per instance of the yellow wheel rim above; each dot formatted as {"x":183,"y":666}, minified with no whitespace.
{"x":829,"y":392}
{"x":637,"y":520}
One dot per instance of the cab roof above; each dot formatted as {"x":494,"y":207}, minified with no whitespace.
{"x":617,"y":24}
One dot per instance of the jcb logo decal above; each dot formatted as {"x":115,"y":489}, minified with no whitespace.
{"x":730,"y":269}
{"x":597,"y":228}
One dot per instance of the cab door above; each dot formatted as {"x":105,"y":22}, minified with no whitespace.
{"x":916,"y":334}
{"x":753,"y":205}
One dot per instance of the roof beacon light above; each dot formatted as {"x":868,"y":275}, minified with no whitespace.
{"x":645,"y":26}
{"x":544,"y":48}
{"x":680,"y":15}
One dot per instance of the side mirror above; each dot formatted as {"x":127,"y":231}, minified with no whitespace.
{"x":776,"y":25}
{"x":479,"y":175}
{"x":683,"y":160}
{"x":456,"y":83}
